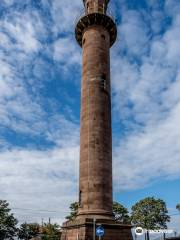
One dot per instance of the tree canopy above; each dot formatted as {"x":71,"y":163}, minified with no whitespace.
{"x":150,"y":213}
{"x":50,"y":231}
{"x":121,"y":213}
{"x":32,"y":230}
{"x":73,"y":211}
{"x":28,"y":231}
{"x":178,"y":207}
{"x":7,"y":221}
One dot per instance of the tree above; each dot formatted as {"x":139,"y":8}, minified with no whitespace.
{"x":121,"y":213}
{"x":150,"y":213}
{"x":73,"y":211}
{"x":50,"y":231}
{"x":28,"y":231}
{"x":178,"y":207}
{"x":7,"y":222}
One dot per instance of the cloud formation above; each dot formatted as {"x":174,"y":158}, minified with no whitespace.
{"x":147,"y":102}
{"x":39,"y":143}
{"x":42,"y":183}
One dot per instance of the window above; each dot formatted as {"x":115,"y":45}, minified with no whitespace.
{"x":103,"y":36}
{"x":103,"y":84}
{"x":103,"y":76}
{"x":103,"y":81}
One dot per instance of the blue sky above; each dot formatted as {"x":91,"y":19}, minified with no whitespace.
{"x":40,"y":103}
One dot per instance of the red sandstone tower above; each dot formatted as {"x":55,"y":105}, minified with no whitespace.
{"x":95,"y":32}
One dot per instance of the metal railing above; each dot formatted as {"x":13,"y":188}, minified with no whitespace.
{"x":95,"y":9}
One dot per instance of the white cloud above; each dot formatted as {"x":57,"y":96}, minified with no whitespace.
{"x":20,"y":32}
{"x":45,"y":180}
{"x":13,"y":56}
{"x":172,"y":7}
{"x":154,"y":153}
{"x":30,"y":178}
{"x":64,"y":15}
{"x":66,"y":52}
{"x":133,"y":33}
{"x":21,"y":43}
{"x":147,"y":102}
{"x":8,"y":2}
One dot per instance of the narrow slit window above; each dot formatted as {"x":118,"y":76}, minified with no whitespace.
{"x":103,"y":84}
{"x":103,"y":36}
{"x":103,"y":81}
{"x":103,"y":76}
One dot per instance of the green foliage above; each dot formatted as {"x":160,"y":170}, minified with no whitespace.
{"x":121,"y":213}
{"x":28,"y":231}
{"x":150,"y":213}
{"x":7,"y":222}
{"x":47,"y":231}
{"x":73,"y":211}
{"x":178,"y":207}
{"x":50,"y":231}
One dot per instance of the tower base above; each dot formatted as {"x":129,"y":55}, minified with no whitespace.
{"x":82,"y":229}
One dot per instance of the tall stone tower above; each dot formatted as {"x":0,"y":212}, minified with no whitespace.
{"x":95,"y":32}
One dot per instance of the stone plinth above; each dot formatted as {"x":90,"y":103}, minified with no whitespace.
{"x":82,"y":229}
